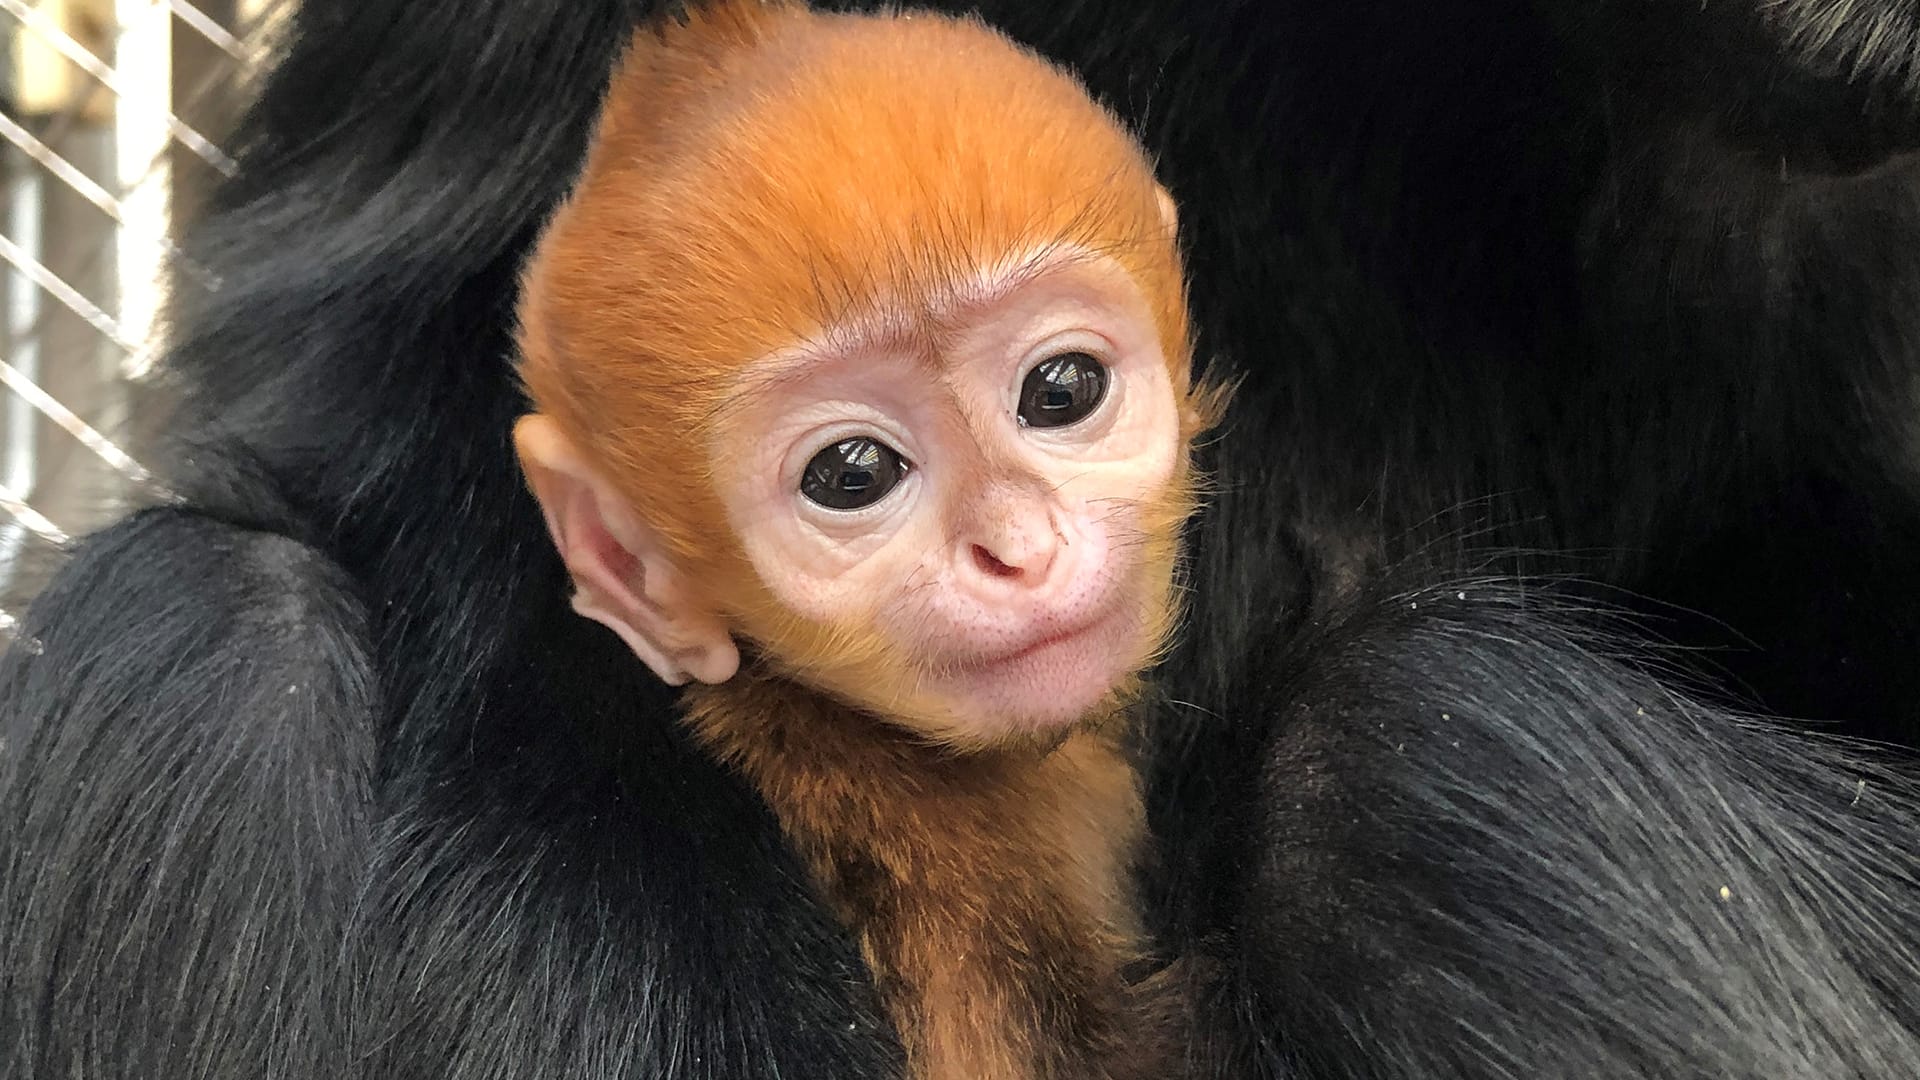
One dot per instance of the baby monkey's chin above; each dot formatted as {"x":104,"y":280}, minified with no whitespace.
{"x":1043,"y":692}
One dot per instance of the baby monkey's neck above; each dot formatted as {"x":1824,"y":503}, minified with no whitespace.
{"x":991,"y":893}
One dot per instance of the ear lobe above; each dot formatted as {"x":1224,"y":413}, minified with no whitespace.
{"x":623,"y":578}
{"x":1169,"y":212}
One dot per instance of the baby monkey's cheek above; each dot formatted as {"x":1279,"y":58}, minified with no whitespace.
{"x":828,"y":583}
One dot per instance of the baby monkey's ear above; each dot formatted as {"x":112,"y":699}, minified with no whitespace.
{"x":621,"y":573}
{"x":1169,"y":211}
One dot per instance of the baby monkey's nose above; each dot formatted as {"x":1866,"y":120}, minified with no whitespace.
{"x":1020,"y":548}
{"x":991,"y":565}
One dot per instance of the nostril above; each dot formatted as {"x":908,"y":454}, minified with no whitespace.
{"x":991,"y":564}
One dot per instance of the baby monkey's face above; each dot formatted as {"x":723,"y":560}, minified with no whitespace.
{"x":899,"y":309}
{"x":982,"y":485}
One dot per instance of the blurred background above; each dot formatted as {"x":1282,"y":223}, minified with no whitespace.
{"x":112,"y":119}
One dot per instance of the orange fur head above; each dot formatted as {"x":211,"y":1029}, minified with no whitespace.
{"x":764,"y":174}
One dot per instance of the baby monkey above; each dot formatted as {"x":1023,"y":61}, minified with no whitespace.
{"x":860,"y":365}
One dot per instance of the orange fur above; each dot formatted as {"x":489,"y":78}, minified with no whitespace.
{"x":989,"y":892}
{"x":766,"y":172}
{"x":761,"y":175}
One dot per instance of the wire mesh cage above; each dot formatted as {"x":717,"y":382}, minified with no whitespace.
{"x":111,"y":117}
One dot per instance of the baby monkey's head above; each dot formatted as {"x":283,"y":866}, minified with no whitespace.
{"x":863,"y":340}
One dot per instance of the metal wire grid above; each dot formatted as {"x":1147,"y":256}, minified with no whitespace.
{"x":103,"y":139}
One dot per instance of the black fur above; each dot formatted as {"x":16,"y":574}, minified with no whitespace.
{"x":315,"y":775}
{"x":1477,"y":826}
{"x":186,"y":807}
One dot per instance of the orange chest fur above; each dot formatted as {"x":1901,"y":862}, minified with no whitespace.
{"x":990,"y":894}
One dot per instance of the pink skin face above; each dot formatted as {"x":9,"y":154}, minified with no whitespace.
{"x":1003,"y":557}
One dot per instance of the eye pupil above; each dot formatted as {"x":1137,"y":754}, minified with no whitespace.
{"x":852,"y":474}
{"x":1062,"y":390}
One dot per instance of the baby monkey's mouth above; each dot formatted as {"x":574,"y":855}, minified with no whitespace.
{"x":1052,"y":679}
{"x":1045,"y":641}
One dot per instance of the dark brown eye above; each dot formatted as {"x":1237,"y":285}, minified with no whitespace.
{"x":852,"y":474}
{"x":1062,"y":390}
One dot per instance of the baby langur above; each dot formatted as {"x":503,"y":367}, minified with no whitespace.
{"x":860,"y":358}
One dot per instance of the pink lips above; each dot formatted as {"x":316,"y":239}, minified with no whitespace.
{"x":1056,"y":638}
{"x":1048,"y":680}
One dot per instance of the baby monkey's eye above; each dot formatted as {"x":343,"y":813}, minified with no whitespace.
{"x":852,"y":474}
{"x":1062,"y":390}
